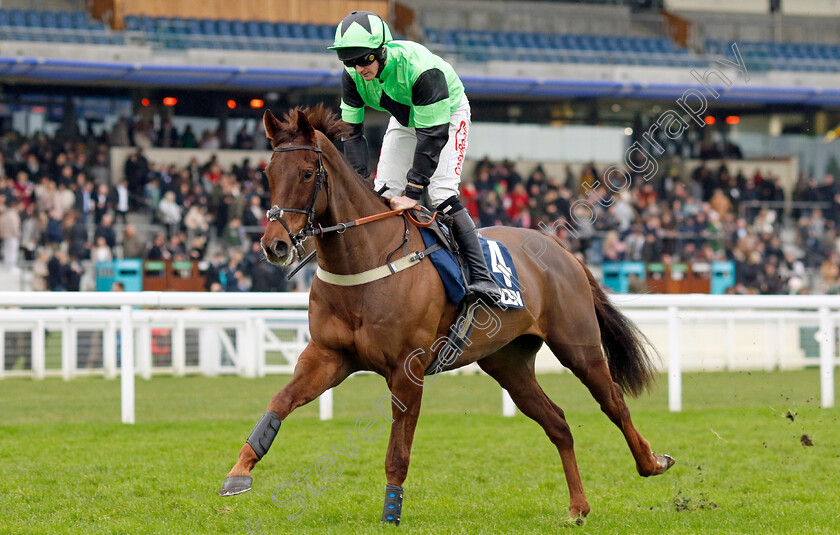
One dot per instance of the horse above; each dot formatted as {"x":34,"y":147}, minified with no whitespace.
{"x":379,"y":325}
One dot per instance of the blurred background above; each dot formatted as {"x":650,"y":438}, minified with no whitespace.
{"x":132,"y":148}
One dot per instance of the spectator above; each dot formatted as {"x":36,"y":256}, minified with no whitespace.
{"x":212,"y":275}
{"x":31,"y":229}
{"x":54,"y":234}
{"x":136,"y":172}
{"x":85,"y":201}
{"x":210,"y":141}
{"x":158,"y":250}
{"x":40,"y":272}
{"x":233,"y":235}
{"x":65,"y":197}
{"x":132,"y":245}
{"x":232,"y":275}
{"x":120,"y":200}
{"x":101,"y":203}
{"x":72,"y":275}
{"x":268,"y":278}
{"x":196,"y":221}
{"x":244,"y":140}
{"x":177,"y":247}
{"x":105,"y":229}
{"x":119,"y":134}
{"x":10,"y":234}
{"x":169,"y":212}
{"x":613,"y":248}
{"x":24,"y":189}
{"x":516,"y":201}
{"x":56,"y":266}
{"x":76,"y":234}
{"x":720,"y":203}
{"x":254,"y":215}
{"x":101,"y":252}
{"x":151,"y":196}
{"x":188,"y":140}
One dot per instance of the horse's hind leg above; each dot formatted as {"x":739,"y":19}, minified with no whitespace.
{"x":589,"y":365}
{"x":316,"y":371}
{"x":516,"y":375}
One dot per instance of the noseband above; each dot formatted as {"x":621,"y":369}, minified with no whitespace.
{"x":276,"y":213}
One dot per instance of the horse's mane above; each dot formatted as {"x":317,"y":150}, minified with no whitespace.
{"x":320,"y":117}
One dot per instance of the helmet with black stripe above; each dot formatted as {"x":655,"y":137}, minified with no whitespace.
{"x":361,"y":34}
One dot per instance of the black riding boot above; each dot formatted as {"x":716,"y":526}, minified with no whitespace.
{"x":481,"y":282}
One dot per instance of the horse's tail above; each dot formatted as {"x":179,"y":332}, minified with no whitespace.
{"x":627,"y":349}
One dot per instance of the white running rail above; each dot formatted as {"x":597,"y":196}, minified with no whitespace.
{"x":253,"y":334}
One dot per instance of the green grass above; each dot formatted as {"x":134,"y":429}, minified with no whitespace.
{"x":68,"y":466}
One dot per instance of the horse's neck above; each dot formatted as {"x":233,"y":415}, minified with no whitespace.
{"x":359,"y":248}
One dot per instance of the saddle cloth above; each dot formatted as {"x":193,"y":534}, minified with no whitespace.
{"x":498,"y":259}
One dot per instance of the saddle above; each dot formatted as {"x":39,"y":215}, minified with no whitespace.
{"x":435,"y":227}
{"x":438,"y":224}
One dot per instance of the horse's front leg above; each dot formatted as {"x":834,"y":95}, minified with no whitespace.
{"x":317,"y":370}
{"x":406,"y":395}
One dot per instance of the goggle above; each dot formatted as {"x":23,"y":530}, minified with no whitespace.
{"x":363,"y":61}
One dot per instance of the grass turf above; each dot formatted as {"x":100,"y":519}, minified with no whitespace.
{"x":69,"y":466}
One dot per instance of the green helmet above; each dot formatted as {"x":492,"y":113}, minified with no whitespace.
{"x":360,"y":33}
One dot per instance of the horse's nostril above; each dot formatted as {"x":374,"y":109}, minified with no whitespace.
{"x":281,"y":248}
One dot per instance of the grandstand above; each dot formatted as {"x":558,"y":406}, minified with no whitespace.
{"x":71,"y":71}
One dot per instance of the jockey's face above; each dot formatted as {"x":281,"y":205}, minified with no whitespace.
{"x":368,"y":72}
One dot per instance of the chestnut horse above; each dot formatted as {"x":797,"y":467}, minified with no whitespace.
{"x":380,"y":325}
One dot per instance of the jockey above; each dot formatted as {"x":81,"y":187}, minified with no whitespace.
{"x":426,"y":139}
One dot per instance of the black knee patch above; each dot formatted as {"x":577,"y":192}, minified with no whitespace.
{"x":263,"y":433}
{"x":393,"y":504}
{"x":450,"y":206}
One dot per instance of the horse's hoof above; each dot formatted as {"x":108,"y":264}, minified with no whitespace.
{"x":236,"y":485}
{"x":664,"y":461}
{"x":576,"y":520}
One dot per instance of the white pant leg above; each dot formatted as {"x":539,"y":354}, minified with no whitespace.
{"x":447,"y":178}
{"x":396,"y":158}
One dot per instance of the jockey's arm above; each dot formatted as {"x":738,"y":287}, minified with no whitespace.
{"x":356,"y":150}
{"x":353,"y":112}
{"x":429,"y":96}
{"x":430,"y":142}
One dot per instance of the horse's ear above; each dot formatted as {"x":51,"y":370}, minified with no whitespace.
{"x":272,"y":125}
{"x":304,"y":126}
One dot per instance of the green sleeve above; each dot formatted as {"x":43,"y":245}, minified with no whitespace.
{"x":432,"y":115}
{"x":350,"y":114}
{"x":352,"y":105}
{"x":430,"y":99}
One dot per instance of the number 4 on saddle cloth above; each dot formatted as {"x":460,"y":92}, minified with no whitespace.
{"x":451,"y":272}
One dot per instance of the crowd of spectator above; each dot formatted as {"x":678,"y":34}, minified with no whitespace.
{"x":707,"y":214}
{"x":62,"y":212}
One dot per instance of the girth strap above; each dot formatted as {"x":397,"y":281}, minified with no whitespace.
{"x":376,"y":273}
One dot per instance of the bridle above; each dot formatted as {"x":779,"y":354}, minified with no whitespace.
{"x":313,"y":229}
{"x":275,"y":213}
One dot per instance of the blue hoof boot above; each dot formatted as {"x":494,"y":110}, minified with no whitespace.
{"x":393,"y":504}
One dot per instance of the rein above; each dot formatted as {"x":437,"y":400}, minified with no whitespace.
{"x":275,"y":213}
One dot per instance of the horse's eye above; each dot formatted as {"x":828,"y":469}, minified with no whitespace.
{"x":308,"y":175}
